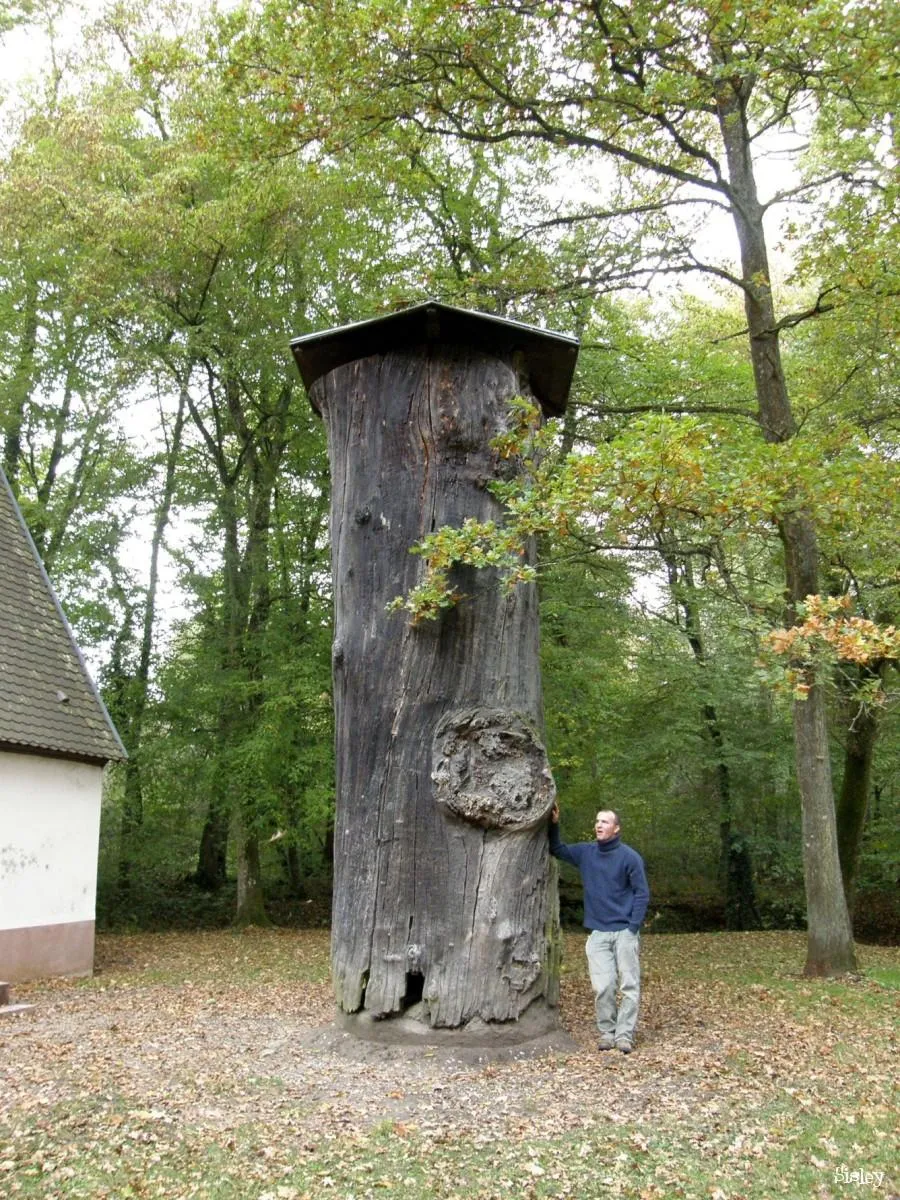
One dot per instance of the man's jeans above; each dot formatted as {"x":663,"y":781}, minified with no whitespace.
{"x":614,"y":962}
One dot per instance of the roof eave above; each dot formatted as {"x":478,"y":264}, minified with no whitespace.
{"x":549,"y":357}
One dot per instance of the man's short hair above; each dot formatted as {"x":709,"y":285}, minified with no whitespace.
{"x":615,"y":815}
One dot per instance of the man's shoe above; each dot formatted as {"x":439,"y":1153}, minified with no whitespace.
{"x":625,"y":1047}
{"x":606,"y":1043}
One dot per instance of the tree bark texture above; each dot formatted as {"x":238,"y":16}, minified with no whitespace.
{"x":829,"y":950}
{"x":443,"y":905}
{"x":830,"y":947}
{"x":251,"y":907}
{"x":829,"y":944}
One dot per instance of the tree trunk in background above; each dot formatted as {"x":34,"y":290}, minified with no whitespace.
{"x":442,"y":875}
{"x":735,"y":864}
{"x":211,"y":865}
{"x":251,"y":907}
{"x":853,"y":801}
{"x":211,"y":857}
{"x":830,"y":949}
{"x":133,"y":799}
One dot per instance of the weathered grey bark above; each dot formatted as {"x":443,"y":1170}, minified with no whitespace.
{"x":442,"y":898}
{"x":827,"y":936}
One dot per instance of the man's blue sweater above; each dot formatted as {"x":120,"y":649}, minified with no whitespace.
{"x":616,"y":894}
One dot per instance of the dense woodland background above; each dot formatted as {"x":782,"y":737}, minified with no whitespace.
{"x":183,"y":191}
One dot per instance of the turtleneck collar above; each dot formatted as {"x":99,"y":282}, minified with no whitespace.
{"x":611,"y":844}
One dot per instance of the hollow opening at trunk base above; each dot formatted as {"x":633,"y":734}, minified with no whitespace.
{"x":415,"y":987}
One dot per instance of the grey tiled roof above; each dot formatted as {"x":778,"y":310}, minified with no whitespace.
{"x":47,"y":700}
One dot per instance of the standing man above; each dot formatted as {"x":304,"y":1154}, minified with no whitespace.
{"x":615,"y":902}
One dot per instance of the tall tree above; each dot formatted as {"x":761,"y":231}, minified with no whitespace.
{"x":191,"y":276}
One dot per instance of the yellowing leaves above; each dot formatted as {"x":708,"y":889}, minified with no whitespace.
{"x":828,"y":632}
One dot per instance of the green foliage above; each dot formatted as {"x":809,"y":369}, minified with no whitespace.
{"x":192,"y":189}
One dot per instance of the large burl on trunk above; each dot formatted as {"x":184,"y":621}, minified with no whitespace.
{"x":445,"y":910}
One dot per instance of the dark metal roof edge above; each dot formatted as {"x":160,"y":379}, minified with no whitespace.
{"x":4,"y":482}
{"x":335,"y":331}
{"x":317,"y":354}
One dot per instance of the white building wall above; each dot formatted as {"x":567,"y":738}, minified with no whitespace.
{"x":49,"y":834}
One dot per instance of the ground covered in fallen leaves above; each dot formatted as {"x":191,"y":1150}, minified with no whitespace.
{"x":204,"y":1065}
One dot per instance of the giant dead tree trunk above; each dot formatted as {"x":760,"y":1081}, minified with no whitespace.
{"x":443,"y":905}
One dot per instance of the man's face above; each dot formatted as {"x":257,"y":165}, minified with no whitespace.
{"x":605,"y":826}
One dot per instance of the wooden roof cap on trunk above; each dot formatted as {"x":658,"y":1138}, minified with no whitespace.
{"x":549,"y":358}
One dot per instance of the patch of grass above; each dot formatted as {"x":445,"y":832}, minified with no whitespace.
{"x":885,"y":976}
{"x":212,"y":958}
{"x":781,"y":1150}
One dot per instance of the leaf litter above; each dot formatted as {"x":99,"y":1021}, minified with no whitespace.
{"x":208,"y":1065}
